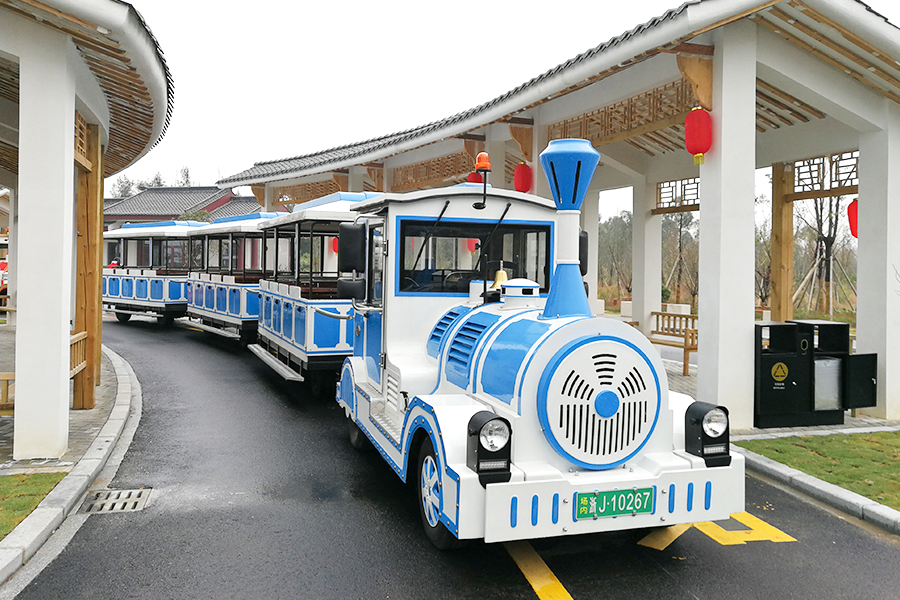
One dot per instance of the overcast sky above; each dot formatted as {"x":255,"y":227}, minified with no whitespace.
{"x":273,"y":79}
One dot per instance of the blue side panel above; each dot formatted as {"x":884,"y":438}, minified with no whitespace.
{"x":444,"y":324}
{"x":188,"y":291}
{"x":234,"y":301}
{"x":268,"y":310}
{"x":507,"y":352}
{"x":288,"y":320}
{"x":349,"y":326}
{"x":300,"y":326}
{"x":104,"y":285}
{"x":128,"y":288}
{"x":140,"y":288}
{"x":373,"y":346}
{"x":690,"y":497}
{"x":534,"y":510}
{"x":326,"y":331}
{"x":175,"y":290}
{"x":210,"y":297}
{"x":276,"y":315}
{"x":347,"y":394}
{"x":555,"y":515}
{"x":252,"y":300}
{"x":221,"y":299}
{"x":671,"y":497}
{"x":513,"y":511}
{"x":359,"y":326}
{"x":156,"y":289}
{"x":113,"y":286}
{"x":707,"y":500}
{"x":462,"y":347}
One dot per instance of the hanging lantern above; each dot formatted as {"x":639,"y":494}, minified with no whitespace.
{"x":852,"y":217}
{"x":522,"y":178}
{"x":475,"y":178}
{"x":334,"y":244}
{"x":472,"y":244}
{"x":698,"y":134}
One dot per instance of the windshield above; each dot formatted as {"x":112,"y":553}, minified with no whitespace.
{"x":449,"y":259}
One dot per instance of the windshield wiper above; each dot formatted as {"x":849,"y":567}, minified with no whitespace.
{"x":429,"y":233}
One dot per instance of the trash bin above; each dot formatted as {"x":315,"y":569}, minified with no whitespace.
{"x":805,"y":374}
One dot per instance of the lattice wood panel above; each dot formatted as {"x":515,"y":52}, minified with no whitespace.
{"x":676,"y":196}
{"x":9,"y":80}
{"x":824,"y":173}
{"x":9,"y":157}
{"x":607,"y":124}
{"x":305,"y":191}
{"x":444,"y":169}
{"x":81,"y":136}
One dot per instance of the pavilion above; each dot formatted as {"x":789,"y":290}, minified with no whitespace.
{"x":785,"y":81}
{"x":84,"y":93}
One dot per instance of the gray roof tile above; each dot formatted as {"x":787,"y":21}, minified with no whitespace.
{"x":162,"y":201}
{"x":238,"y":205}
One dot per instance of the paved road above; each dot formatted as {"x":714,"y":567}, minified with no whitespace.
{"x":257,"y":494}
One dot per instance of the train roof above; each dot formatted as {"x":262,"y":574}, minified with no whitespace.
{"x":333,"y":207}
{"x":235,"y":224}
{"x":470,"y":190}
{"x":154,"y":229}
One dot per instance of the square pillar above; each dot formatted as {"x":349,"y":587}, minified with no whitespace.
{"x":781,"y":297}
{"x":726,"y":303}
{"x":590,"y":219}
{"x":878,"y":263}
{"x":646,"y":254}
{"x":45,"y":244}
{"x":356,"y":180}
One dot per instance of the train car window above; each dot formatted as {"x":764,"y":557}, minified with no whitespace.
{"x":285,"y":258}
{"x":446,"y":257}
{"x":177,"y":255}
{"x":157,"y":257}
{"x":138,"y":253}
{"x":237,"y":254}
{"x":253,"y":254}
{"x":213,"y":257}
{"x":225,"y":250}
{"x":197,"y":254}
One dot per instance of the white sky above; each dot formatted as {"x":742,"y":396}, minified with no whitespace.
{"x":273,"y":79}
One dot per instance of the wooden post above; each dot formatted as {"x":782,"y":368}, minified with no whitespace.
{"x":95,"y":227}
{"x":782,"y":242}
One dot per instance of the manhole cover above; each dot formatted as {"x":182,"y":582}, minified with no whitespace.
{"x":115,"y":501}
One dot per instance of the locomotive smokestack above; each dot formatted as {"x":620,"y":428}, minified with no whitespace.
{"x":569,"y":166}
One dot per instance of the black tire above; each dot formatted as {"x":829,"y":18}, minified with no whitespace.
{"x":123,"y":317}
{"x":358,"y":439}
{"x":166,"y":320}
{"x":428,"y":493}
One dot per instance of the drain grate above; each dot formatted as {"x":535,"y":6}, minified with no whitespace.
{"x":115,"y":501}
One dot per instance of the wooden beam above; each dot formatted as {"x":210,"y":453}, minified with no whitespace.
{"x":524,"y":136}
{"x":675,"y":209}
{"x":473,"y":147}
{"x":782,"y":277}
{"x":846,"y":190}
{"x":642,"y":129}
{"x":471,"y":136}
{"x":95,"y":227}
{"x":699,"y":72}
{"x":342,"y":181}
{"x":691,"y":49}
{"x":518,"y":121}
{"x":83,"y":163}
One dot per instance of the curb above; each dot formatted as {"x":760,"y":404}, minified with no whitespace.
{"x":29,"y":535}
{"x":844,"y":500}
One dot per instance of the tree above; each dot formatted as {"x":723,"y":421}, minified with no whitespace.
{"x":679,"y":230}
{"x":122,"y":187}
{"x":199,"y":215}
{"x":614,"y":251}
{"x":155,"y":181}
{"x":184,"y":178}
{"x":763,"y":253}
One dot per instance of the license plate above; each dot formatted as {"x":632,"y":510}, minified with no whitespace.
{"x":594,"y":505}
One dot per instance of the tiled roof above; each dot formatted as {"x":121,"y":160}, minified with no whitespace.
{"x":162,"y":201}
{"x":238,"y":205}
{"x":454,"y":125}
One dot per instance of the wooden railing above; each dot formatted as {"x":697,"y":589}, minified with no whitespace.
{"x":678,"y":331}
{"x":5,"y":379}
{"x":77,"y":353}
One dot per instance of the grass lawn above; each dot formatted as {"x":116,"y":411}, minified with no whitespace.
{"x":865,"y":463}
{"x":20,"y":494}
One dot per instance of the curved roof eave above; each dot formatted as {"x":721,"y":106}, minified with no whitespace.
{"x":673,"y":27}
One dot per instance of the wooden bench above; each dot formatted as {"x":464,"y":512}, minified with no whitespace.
{"x":677,"y":331}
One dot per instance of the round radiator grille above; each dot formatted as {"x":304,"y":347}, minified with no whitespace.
{"x":599,"y":401}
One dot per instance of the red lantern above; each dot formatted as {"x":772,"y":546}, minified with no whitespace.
{"x":334,"y":245}
{"x":475,"y":178}
{"x":698,"y":134}
{"x":852,"y":216}
{"x":472,"y":244}
{"x":522,"y":178}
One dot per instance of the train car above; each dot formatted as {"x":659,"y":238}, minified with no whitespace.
{"x":223,"y":283}
{"x":148,"y":270}
{"x":515,"y":412}
{"x":304,"y":329}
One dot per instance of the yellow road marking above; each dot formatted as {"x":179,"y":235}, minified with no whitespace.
{"x":759,"y":531}
{"x":536,"y":571}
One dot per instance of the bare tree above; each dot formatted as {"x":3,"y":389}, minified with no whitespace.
{"x":614,"y":251}
{"x":184,"y":177}
{"x":122,"y":187}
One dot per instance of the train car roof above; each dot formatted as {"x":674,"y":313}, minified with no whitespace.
{"x":471,"y":190}
{"x":155,"y":229}
{"x":236,"y":224}
{"x":333,"y":207}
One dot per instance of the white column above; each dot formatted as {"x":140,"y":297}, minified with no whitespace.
{"x":646,"y":254}
{"x":497,"y":151}
{"x":357,"y":178}
{"x":726,"y":299}
{"x":590,"y":219}
{"x":45,"y":230}
{"x":268,"y":198}
{"x":12,"y":287}
{"x":878,"y":264}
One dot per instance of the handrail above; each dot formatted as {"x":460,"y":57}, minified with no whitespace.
{"x":331,"y":314}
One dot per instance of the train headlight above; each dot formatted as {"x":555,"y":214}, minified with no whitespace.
{"x":494,"y":435}
{"x":706,"y":433}
{"x":488,"y":447}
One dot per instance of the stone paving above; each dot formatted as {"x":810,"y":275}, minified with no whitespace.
{"x":84,"y":425}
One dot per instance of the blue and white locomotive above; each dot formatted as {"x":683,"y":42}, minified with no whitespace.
{"x":515,"y":412}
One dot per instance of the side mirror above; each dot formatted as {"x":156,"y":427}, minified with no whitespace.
{"x":352,"y":248}
{"x":583,"y":252}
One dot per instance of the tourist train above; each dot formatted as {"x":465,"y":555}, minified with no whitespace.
{"x":466,"y":354}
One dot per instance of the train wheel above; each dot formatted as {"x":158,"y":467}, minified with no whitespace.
{"x":123,"y":317}
{"x":430,"y":494}
{"x":358,"y":439}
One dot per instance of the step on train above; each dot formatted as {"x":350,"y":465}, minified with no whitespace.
{"x":465,"y":352}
